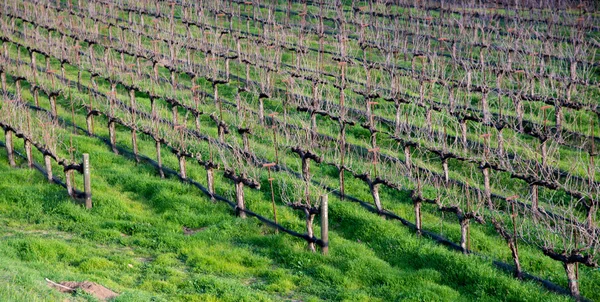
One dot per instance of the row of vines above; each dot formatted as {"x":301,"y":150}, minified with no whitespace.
{"x":486,"y":113}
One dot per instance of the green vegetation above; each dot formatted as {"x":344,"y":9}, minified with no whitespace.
{"x":153,"y":239}
{"x":133,"y":243}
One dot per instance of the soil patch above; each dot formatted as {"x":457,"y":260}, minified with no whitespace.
{"x":98,"y":291}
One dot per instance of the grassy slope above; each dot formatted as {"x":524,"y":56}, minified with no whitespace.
{"x":132,"y":242}
{"x":138,"y":218}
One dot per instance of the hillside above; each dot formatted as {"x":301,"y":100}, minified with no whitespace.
{"x":241,"y":150}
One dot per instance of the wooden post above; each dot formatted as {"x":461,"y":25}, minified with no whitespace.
{"x":572,"y":279}
{"x":417,"y":200}
{"x":175,"y":114}
{"x":182,"y":166}
{"x":520,"y":113}
{"x":210,"y":180}
{"x":342,"y":186}
{"x":464,"y":230}
{"x":227,"y":69}
{"x":173,"y":81}
{"x":112,"y":135}
{"x":53,"y":105}
{"x":310,"y":217}
{"x":446,"y":171}
{"x":48,"y":162}
{"x":374,"y":187}
{"x":245,"y":140}
{"x":486,"y":108}
{"x":9,"y":147}
{"x":407,"y":157}
{"x":418,"y":215}
{"x":463,"y":134}
{"x":62,"y":72}
{"x":544,"y":151}
{"x":36,"y":96}
{"x":87,"y":184}
{"x":89,"y":122}
{"x":261,"y":111}
{"x":239,"y":196}
{"x":501,"y":144}
{"x":534,"y":198}
{"x":159,"y":160}
{"x":135,"y":145}
{"x":153,"y":107}
{"x":325,"y":224}
{"x":559,"y":120}
{"x":18,"y":88}
{"x":487,"y":190}
{"x":197,"y":122}
{"x":221,"y":132}
{"x":3,"y":79}
{"x":28,"y":153}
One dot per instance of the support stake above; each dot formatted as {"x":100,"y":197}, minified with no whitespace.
{"x":48,"y":162}
{"x":325,"y":224}
{"x":28,"y":153}
{"x":10,"y":148}
{"x":87,"y":184}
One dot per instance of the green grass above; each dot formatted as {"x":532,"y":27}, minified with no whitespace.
{"x":132,"y":242}
{"x":136,"y":211}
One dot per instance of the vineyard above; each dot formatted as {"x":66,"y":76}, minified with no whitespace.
{"x":281,"y":150}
